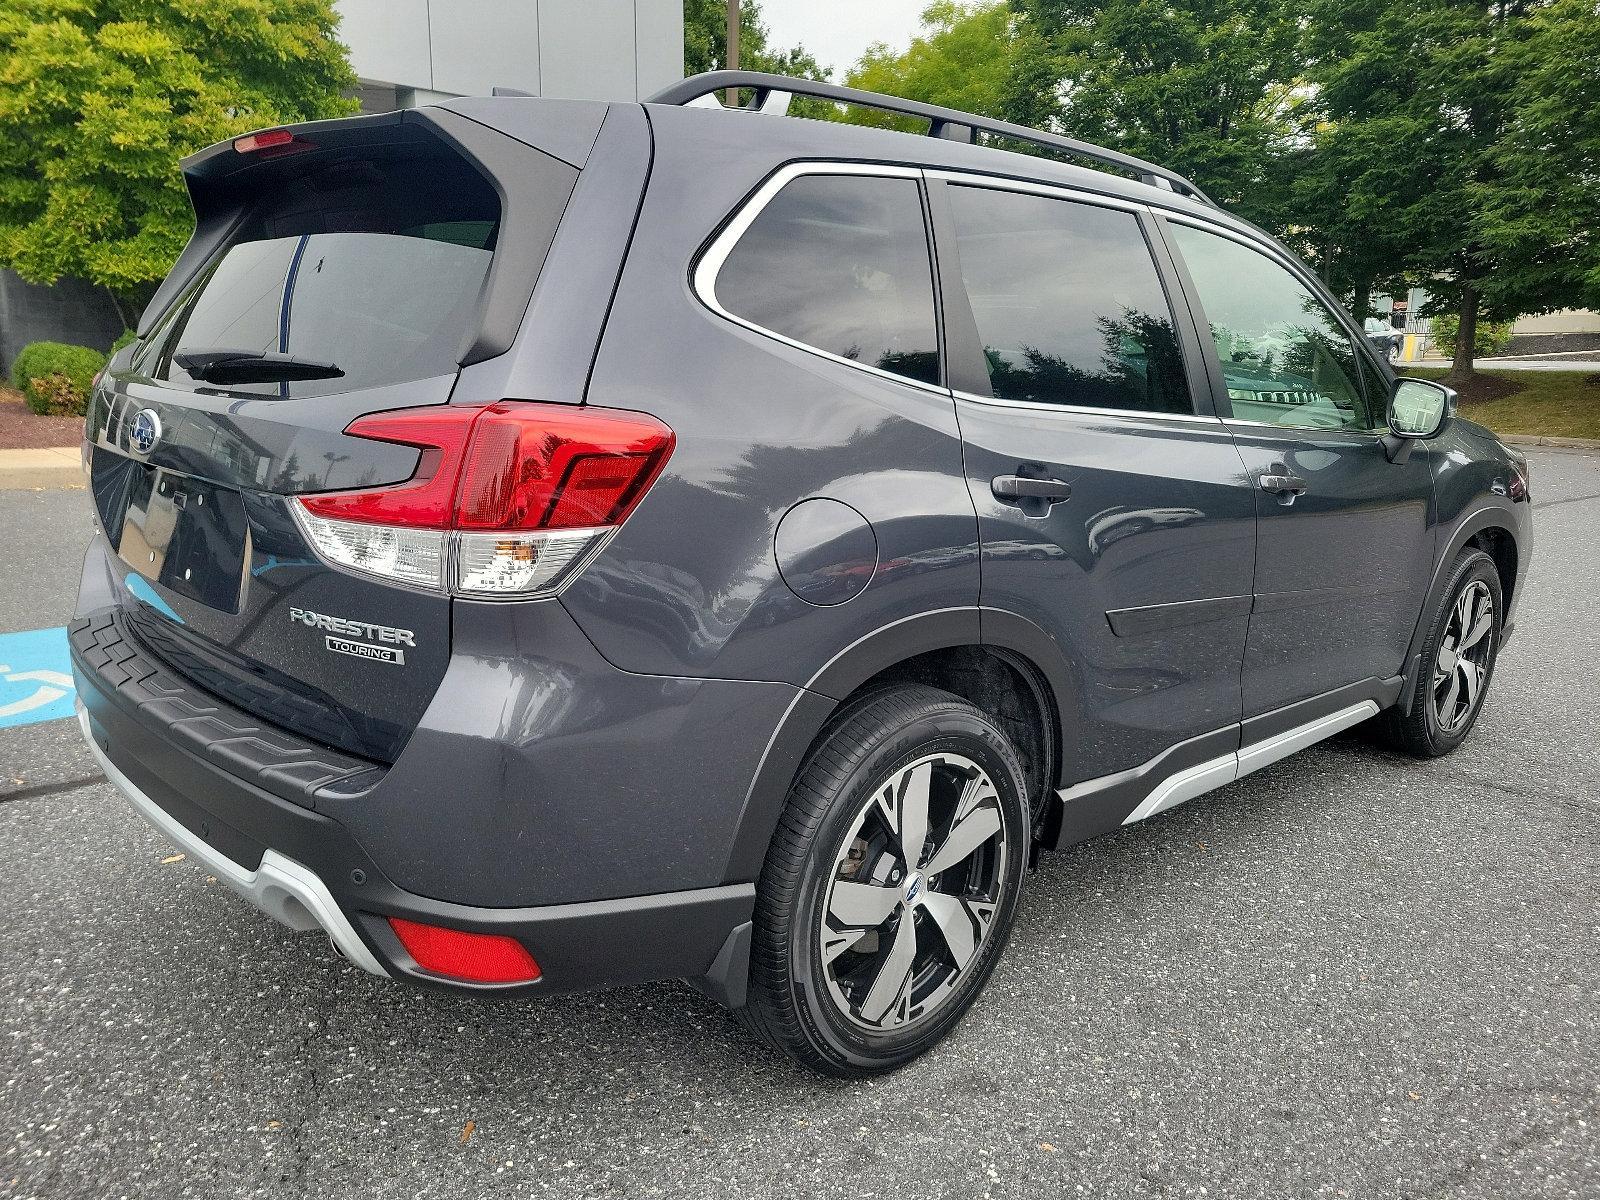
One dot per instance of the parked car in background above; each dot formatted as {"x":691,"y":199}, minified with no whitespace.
{"x":549,"y":545}
{"x":1384,"y":337}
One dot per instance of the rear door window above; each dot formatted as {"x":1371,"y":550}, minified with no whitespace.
{"x":840,"y":263}
{"x":1067,"y":302}
{"x":373,"y":270}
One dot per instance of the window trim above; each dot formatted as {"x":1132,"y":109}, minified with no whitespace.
{"x":1302,"y":275}
{"x":703,"y":276}
{"x":998,"y":183}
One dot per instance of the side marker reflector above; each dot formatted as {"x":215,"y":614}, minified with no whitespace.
{"x":474,"y":957}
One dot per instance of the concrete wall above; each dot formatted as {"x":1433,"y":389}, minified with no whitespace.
{"x":583,"y":49}
{"x":1570,"y":320}
{"x":68,"y":310}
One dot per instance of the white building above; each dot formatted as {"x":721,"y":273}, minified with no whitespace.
{"x":410,"y":52}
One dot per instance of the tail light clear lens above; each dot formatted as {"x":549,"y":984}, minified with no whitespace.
{"x":500,"y":564}
{"x":408,"y":555}
{"x":511,"y":500}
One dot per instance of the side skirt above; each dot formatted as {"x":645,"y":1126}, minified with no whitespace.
{"x":1221,"y":771}
{"x":1098,"y":806}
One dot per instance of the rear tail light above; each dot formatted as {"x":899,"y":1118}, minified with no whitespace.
{"x":474,"y":957}
{"x":512,"y":500}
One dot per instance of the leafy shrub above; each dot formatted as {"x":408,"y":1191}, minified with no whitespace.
{"x":55,"y":395}
{"x":1492,"y":337}
{"x":41,"y":362}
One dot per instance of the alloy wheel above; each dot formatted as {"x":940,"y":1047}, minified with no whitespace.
{"x":1462,"y":665}
{"x":911,"y":900}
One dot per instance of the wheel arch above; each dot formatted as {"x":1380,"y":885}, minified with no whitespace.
{"x":1491,"y":529}
{"x":958,"y":649}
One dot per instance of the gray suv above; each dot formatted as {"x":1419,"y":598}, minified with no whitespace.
{"x":550,"y":545}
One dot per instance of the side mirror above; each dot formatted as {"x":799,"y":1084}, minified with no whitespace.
{"x":1418,"y":409}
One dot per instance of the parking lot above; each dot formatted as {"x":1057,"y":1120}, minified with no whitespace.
{"x":1348,"y":975}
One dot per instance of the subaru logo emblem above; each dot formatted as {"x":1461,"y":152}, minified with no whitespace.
{"x":913,"y":889}
{"x":145,"y":433}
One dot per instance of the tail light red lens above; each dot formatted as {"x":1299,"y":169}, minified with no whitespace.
{"x":521,"y":494}
{"x":474,"y":957}
{"x":555,"y":466}
{"x":427,"y":499}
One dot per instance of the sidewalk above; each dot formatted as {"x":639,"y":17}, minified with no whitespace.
{"x":57,"y":467}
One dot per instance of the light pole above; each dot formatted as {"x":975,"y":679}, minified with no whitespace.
{"x":733,"y":49}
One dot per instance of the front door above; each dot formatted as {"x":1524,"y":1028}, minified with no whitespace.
{"x":1344,"y":545}
{"x":1112,"y":513}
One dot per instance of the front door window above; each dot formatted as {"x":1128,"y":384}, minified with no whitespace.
{"x":1286,"y":358}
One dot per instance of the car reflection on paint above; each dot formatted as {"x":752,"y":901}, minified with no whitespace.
{"x":1111,"y":525}
{"x":1016,"y":548}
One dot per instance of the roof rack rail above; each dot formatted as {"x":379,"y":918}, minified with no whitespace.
{"x":772,"y":94}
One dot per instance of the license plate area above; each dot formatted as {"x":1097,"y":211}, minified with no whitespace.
{"x":187,"y":535}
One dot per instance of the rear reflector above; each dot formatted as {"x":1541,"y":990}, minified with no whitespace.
{"x":511,"y":500}
{"x":474,"y":957}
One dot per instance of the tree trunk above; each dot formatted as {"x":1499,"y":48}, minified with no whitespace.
{"x":116,"y":302}
{"x":733,"y":48}
{"x":1363,"y":300}
{"x":1461,"y":369}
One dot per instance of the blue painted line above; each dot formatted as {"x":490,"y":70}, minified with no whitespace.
{"x":35,"y":677}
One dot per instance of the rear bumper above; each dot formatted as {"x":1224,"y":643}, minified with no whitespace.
{"x":285,"y":890}
{"x":307,"y":870}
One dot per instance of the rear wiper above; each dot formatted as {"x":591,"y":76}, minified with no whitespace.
{"x":252,"y":366}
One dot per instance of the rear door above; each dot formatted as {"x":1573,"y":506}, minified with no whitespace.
{"x":1112,"y":509}
{"x":1345,"y":541}
{"x":341,"y":272}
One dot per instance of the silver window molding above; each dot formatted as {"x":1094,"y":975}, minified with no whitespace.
{"x":1056,"y":191}
{"x":1348,"y":430}
{"x":1088,"y":410}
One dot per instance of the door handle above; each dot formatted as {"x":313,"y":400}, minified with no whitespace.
{"x":1019,"y":487}
{"x":1283,"y":485}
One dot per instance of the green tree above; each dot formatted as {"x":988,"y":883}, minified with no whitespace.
{"x":1542,"y":218}
{"x":962,"y":60}
{"x":1205,"y":87}
{"x":1473,"y":149}
{"x":100,"y":98}
{"x":1347,"y":232}
{"x":705,"y":42}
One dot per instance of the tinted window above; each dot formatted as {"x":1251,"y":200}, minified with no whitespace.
{"x":1068,"y":303}
{"x":1286,"y":358}
{"x":840,"y":262}
{"x":374,"y":267}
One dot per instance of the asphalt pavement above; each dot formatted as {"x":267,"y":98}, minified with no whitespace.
{"x":1349,"y":975}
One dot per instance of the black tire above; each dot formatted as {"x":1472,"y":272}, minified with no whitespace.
{"x":796,"y":1001}
{"x":1414,"y":725}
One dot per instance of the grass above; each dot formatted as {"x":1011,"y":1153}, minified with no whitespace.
{"x":1533,"y":403}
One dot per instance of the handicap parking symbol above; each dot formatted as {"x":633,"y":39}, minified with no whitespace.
{"x":35,"y":677}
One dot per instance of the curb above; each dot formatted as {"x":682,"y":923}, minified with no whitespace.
{"x":1573,"y":445}
{"x":54,"y":467}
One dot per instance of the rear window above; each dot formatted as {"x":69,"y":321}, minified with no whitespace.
{"x":840,"y":263}
{"x":371,"y":268}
